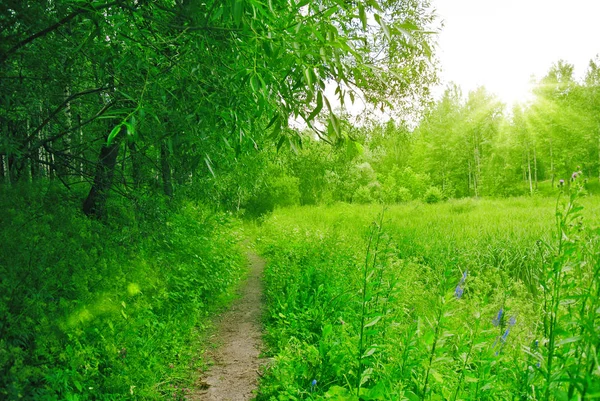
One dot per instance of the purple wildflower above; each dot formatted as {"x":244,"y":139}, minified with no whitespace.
{"x":458,"y":292}
{"x":574,"y":176}
{"x":505,"y":335}
{"x":498,"y":318}
{"x":561,"y":183}
{"x":464,"y":277}
{"x":512,"y":321}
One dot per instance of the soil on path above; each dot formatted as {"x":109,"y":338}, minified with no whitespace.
{"x":234,"y":375}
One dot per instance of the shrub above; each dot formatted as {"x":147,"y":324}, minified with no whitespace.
{"x":98,"y":311}
{"x":433,"y":195}
{"x":403,"y":195}
{"x":362,"y":195}
{"x":285,"y":191}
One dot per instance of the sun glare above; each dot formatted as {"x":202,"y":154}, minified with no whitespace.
{"x":502,"y":45}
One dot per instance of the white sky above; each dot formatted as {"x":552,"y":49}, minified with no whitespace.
{"x":501,"y":43}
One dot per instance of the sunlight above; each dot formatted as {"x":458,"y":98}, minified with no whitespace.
{"x":503,"y":45}
{"x":511,"y":91}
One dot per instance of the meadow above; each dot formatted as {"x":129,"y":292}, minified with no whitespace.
{"x":466,"y":299}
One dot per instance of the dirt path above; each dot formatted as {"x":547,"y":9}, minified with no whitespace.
{"x":233,"y":377}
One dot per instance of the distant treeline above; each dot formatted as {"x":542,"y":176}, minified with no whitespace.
{"x":463,"y":147}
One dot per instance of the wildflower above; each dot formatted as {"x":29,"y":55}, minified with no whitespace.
{"x":463,"y":278}
{"x":512,"y":321}
{"x":561,"y":183}
{"x":312,"y":385}
{"x":498,"y":318}
{"x":574,"y":176}
{"x":505,"y":335}
{"x":458,"y":292}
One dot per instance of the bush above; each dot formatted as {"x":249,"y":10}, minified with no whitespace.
{"x":285,"y":191}
{"x":98,"y":311}
{"x":362,"y":195}
{"x":403,"y":195}
{"x":433,"y":195}
{"x":277,"y":192}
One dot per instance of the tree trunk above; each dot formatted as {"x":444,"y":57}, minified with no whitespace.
{"x":80,"y":143}
{"x":2,"y":175}
{"x":477,"y":175}
{"x":136,"y":170}
{"x":95,"y":203}
{"x":535,"y":171}
{"x":34,"y":158}
{"x":166,"y":169}
{"x":12,"y":169}
{"x":551,"y":164}
{"x":470,"y":178}
{"x":529,"y":173}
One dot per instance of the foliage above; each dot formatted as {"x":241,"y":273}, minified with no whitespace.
{"x":449,"y":301}
{"x":103,"y":312}
{"x":433,"y":195}
{"x":156,"y":95}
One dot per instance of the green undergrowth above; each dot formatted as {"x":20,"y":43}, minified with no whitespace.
{"x":95,"y":311}
{"x":477,"y":300}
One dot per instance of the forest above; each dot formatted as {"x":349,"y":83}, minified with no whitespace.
{"x":427,"y":248}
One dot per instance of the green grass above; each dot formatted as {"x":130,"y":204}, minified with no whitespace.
{"x":372,"y":312}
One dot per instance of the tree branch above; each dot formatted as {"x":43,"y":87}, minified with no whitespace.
{"x":51,"y":28}
{"x":43,"y":142}
{"x":59,"y":108}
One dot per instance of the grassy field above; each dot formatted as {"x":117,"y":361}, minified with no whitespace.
{"x":469,"y":299}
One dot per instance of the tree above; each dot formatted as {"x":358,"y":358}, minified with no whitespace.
{"x":190,"y":80}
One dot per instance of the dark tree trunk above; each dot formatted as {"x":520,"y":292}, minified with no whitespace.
{"x":2,"y":176}
{"x":136,"y":169}
{"x":166,"y":169}
{"x":95,"y":203}
{"x":12,"y":169}
{"x":35,"y":164}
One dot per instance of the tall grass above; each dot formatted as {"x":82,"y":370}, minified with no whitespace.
{"x":521,"y":324}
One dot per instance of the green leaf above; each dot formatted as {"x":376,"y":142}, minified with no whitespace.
{"x":280,"y":142}
{"x":238,"y":11}
{"x":308,"y":77}
{"x":384,"y":27}
{"x":363,"y":16}
{"x":254,"y":83}
{"x":115,"y":131}
{"x":335,"y":125}
{"x":273,"y":120}
{"x":317,"y":109}
{"x":209,"y":165}
{"x":568,"y":340}
{"x":373,"y":322}
{"x":437,"y":376}
{"x":369,"y":352}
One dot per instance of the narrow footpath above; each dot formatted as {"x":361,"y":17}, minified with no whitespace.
{"x":234,"y":375}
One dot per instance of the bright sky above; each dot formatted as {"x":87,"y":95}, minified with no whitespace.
{"x":501,"y":43}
